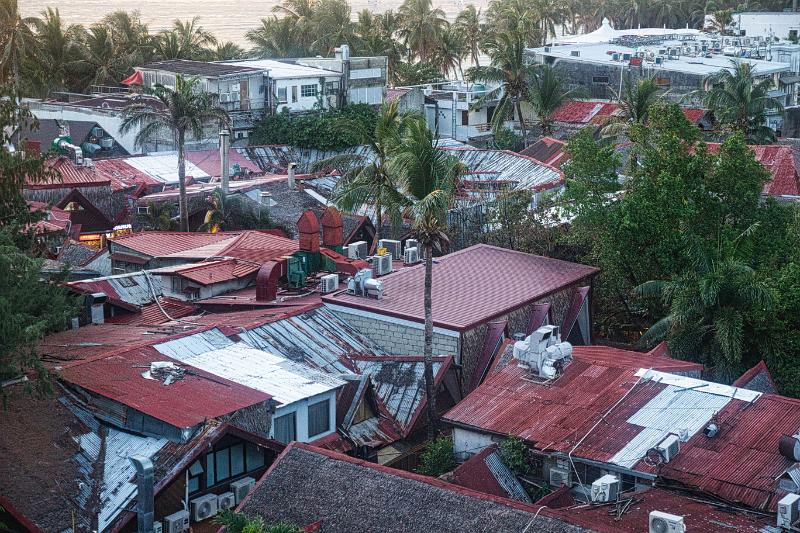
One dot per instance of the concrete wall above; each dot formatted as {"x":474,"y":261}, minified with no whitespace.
{"x":467,"y":443}
{"x":397,"y":336}
{"x":300,"y":408}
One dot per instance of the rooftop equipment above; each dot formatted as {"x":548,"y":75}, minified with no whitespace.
{"x":669,"y":447}
{"x":543,"y":352}
{"x":362,"y":284}
{"x":410,"y":256}
{"x":394,"y":247}
{"x":661,"y":522}
{"x":330,"y":283}
{"x":357,"y":250}
{"x":605,"y":489}
{"x":381,"y":264}
{"x":241,"y":487}
{"x":177,"y":522}
{"x":203,"y":507}
{"x":788,"y":511}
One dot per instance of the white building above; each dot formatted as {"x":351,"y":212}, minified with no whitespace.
{"x":775,"y":25}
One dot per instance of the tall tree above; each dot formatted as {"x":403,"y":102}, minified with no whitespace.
{"x":635,"y":101}
{"x":740,"y":101}
{"x":546,"y":93}
{"x":468,"y":24}
{"x":371,"y":180}
{"x":17,"y":42}
{"x":429,"y":178}
{"x":421,"y":27}
{"x":182,"y":112}
{"x":59,"y":51}
{"x":512,"y":71}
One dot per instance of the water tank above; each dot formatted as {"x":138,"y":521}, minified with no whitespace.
{"x":789,"y":446}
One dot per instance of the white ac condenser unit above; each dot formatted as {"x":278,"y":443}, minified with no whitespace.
{"x":158,"y":527}
{"x":410,"y":256}
{"x":357,"y":250}
{"x":669,"y":447}
{"x":226,"y":500}
{"x":241,"y":487}
{"x":381,"y":264}
{"x":177,"y":522}
{"x":329,"y":282}
{"x":203,"y":507}
{"x":558,"y":477}
{"x":605,"y":489}
{"x":788,"y":511}
{"x":666,"y":523}
{"x":394,"y":247}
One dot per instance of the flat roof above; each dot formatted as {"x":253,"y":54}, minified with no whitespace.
{"x":284,"y":69}
{"x":701,"y":66}
{"x":470,"y":286}
{"x":199,"y":68}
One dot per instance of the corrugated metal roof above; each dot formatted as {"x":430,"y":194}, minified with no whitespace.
{"x":210,"y":272}
{"x":132,"y":288}
{"x":517,"y":170}
{"x":465,"y":291}
{"x":119,"y":378}
{"x":165,"y":243}
{"x":208,"y":161}
{"x":259,"y":247}
{"x":163,"y":167}
{"x":195,"y":344}
{"x":549,"y":151}
{"x":779,"y":160}
{"x":285,"y":381}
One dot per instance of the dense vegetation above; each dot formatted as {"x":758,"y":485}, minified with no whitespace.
{"x":323,"y":130}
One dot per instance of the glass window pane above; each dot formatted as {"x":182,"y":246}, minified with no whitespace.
{"x":318,"y":418}
{"x":196,"y":469}
{"x":210,"y":470}
{"x":285,"y":428}
{"x":237,"y":459}
{"x":223,"y":465}
{"x":255,"y":457}
{"x":194,"y":484}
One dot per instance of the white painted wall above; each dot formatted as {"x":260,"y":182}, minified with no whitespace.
{"x":300,"y":408}
{"x":306,"y":103}
{"x":767,"y":24}
{"x":467,"y":443}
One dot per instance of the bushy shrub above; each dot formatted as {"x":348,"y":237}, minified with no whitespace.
{"x":325,"y":130}
{"x":513,"y":452}
{"x":437,"y":458}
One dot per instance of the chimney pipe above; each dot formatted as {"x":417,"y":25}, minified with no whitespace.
{"x":290,"y":172}
{"x":97,"y":304}
{"x":145,"y":493}
{"x":224,"y":147}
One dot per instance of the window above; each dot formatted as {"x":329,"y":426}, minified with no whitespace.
{"x":465,"y":118}
{"x":318,"y":418}
{"x":177,"y":286}
{"x":332,"y":87}
{"x":286,"y":428}
{"x":294,"y":93}
{"x":599,"y":79}
{"x":127,"y":282}
{"x":195,"y":475}
{"x":225,"y":464}
{"x":143,"y":210}
{"x":308,"y":91}
{"x":282,"y":98}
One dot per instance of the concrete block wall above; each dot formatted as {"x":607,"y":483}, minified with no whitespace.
{"x":398,"y":338}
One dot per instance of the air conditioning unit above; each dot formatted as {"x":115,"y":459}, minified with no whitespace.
{"x":410,"y":256}
{"x":669,"y":447}
{"x":330,"y":282}
{"x":413,"y":243}
{"x":666,"y":523}
{"x":203,"y":507}
{"x":381,"y":264}
{"x":357,"y":250}
{"x":558,"y":477}
{"x":788,"y":511}
{"x":241,"y":487}
{"x":226,"y":500}
{"x":605,"y":489}
{"x":224,"y":97}
{"x":393,"y":246}
{"x":176,"y":522}
{"x":97,"y":131}
{"x":158,"y":527}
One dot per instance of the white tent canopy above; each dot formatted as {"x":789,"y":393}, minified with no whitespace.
{"x":606,"y":33}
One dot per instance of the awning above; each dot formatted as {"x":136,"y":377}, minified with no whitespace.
{"x":134,"y":79}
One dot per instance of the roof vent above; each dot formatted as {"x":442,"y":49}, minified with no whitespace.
{"x":543,"y":352}
{"x":790,"y":447}
{"x":711,"y":430}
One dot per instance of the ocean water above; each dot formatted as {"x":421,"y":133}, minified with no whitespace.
{"x":227,"y":19}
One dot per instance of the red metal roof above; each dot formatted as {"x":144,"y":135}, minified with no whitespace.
{"x":757,"y":378}
{"x":68,"y":175}
{"x":122,"y":175}
{"x":210,"y":272}
{"x":163,"y":243}
{"x":153,"y":315}
{"x":474,"y":474}
{"x":471,"y":286}
{"x":119,"y":378}
{"x":583,"y":111}
{"x":260,"y":247}
{"x":208,"y":161}
{"x":780,"y":162}
{"x":549,"y":151}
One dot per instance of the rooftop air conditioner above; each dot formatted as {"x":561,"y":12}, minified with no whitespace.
{"x":666,"y":523}
{"x":203,"y":507}
{"x":669,"y":447}
{"x":394,"y":247}
{"x":413,"y":243}
{"x":546,"y":49}
{"x":158,"y":527}
{"x":226,"y":500}
{"x":241,"y":487}
{"x":558,"y":477}
{"x":788,"y":511}
{"x":410,"y":256}
{"x":357,"y":250}
{"x":330,"y":282}
{"x":177,"y":522}
{"x":605,"y":489}
{"x":97,"y":131}
{"x":381,"y":264}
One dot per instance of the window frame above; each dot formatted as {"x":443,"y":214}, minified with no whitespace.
{"x":285,"y":98}
{"x":309,"y":91}
{"x":293,"y":416}
{"x":327,"y":410}
{"x":601,"y":80}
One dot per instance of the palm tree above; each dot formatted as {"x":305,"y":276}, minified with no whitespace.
{"x":516,"y":17}
{"x":468,"y":24}
{"x":186,"y":40}
{"x":710,"y":306}
{"x":428,"y":178}
{"x":371,"y":180}
{"x":740,"y":101}
{"x":159,"y":217}
{"x":546,"y":94}
{"x":509,"y":68}
{"x":300,"y":15}
{"x":334,"y":26}
{"x":133,"y":44}
{"x":450,"y":52}
{"x":635,"y":102}
{"x":100,"y":62}
{"x":17,"y":42}
{"x":422,"y":27}
{"x":227,"y":51}
{"x":276,"y":37}
{"x":181,"y":111}
{"x":60,"y":48}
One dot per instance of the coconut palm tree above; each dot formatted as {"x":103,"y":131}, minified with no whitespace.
{"x":371,"y":180}
{"x":133,"y":43}
{"x":186,"y":40}
{"x":159,"y":217}
{"x":181,"y":111}
{"x":300,"y":15}
{"x":59,"y":51}
{"x":276,"y":37}
{"x":421,"y":27}
{"x":515,"y":17}
{"x":509,"y":68}
{"x":468,"y":24}
{"x":17,"y":42}
{"x":227,"y":51}
{"x":740,"y":101}
{"x":450,"y":52}
{"x":547,"y":92}
{"x":334,"y":26}
{"x":635,"y":102}
{"x":100,"y":63}
{"x":709,"y":306}
{"x":428,"y":178}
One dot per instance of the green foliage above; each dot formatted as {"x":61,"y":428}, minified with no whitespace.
{"x":238,"y":523}
{"x":438,"y":458}
{"x":235,"y":212}
{"x":506,"y":139}
{"x":418,"y":73}
{"x":513,"y":451}
{"x":326,"y":130}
